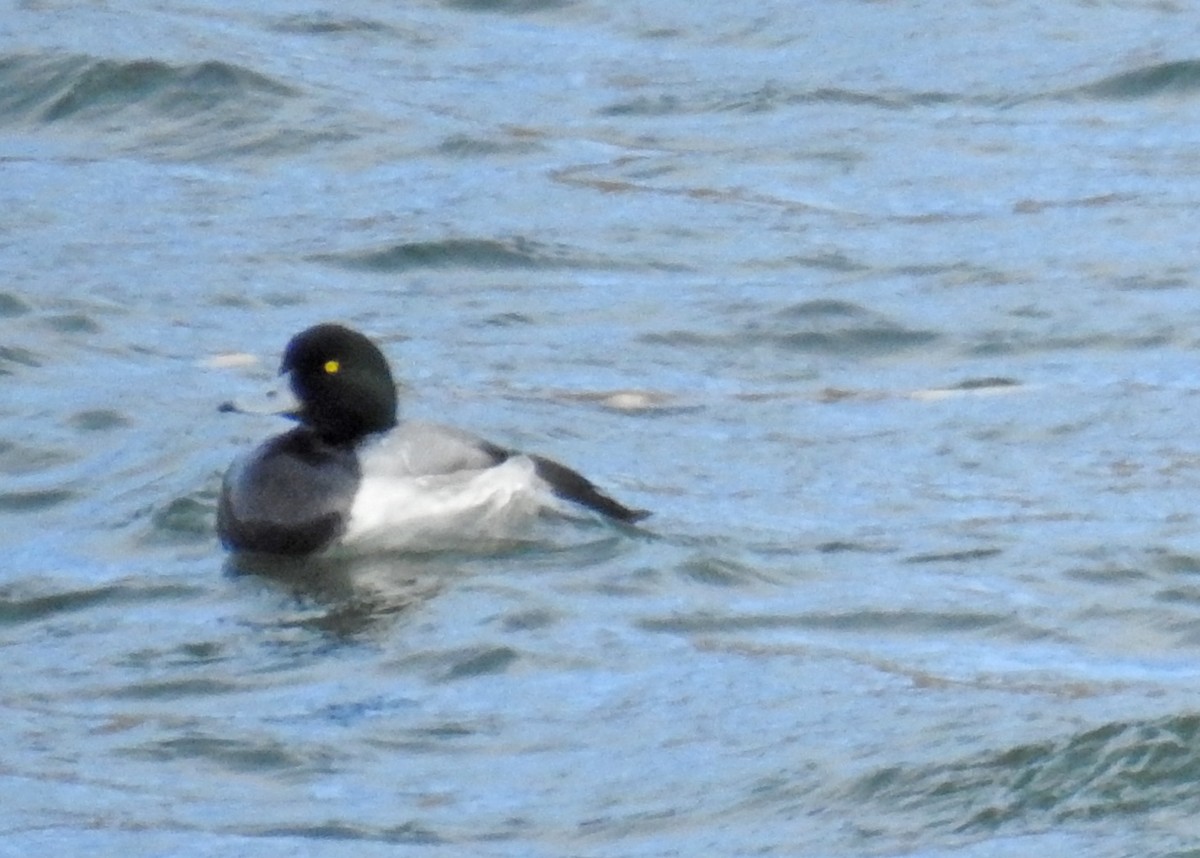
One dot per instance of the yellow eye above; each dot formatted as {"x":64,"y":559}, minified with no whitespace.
{"x":332,"y":366}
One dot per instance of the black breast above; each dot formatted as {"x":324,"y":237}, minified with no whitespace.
{"x":290,"y":496}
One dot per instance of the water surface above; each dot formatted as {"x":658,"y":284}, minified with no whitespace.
{"x":884,"y":309}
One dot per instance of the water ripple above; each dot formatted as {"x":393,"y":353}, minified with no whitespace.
{"x":1162,"y":79}
{"x":87,"y":89}
{"x":830,"y":327}
{"x":327,"y":23}
{"x":907,"y":621}
{"x":194,"y":111}
{"x":773,"y":96}
{"x":1115,"y":769}
{"x":23,"y":602}
{"x":409,"y":833}
{"x":477,"y":253}
{"x":236,"y":755}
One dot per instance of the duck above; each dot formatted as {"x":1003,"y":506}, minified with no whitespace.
{"x":352,"y":476}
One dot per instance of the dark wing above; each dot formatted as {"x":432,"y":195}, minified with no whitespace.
{"x":574,"y":486}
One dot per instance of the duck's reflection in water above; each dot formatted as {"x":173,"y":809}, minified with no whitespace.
{"x":347,"y":597}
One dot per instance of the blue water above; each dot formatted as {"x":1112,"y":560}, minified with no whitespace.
{"x":885,"y":309}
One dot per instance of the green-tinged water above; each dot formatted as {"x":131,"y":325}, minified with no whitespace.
{"x":885,"y":309}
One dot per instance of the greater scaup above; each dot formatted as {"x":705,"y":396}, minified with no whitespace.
{"x":352,"y":475}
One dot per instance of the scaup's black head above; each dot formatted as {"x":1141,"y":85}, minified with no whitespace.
{"x":343,"y":383}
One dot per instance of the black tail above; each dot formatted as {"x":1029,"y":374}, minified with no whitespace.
{"x":573,"y":486}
